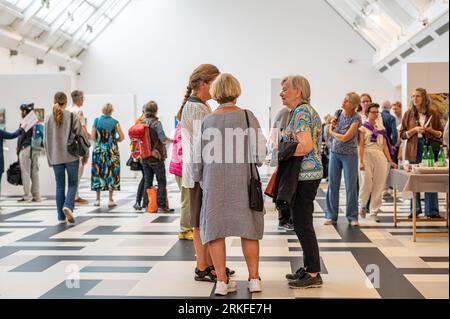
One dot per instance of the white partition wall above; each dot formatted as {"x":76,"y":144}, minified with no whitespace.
{"x":18,"y":89}
{"x":124,"y":112}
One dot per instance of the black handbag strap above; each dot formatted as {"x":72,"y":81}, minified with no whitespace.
{"x":250,"y":148}
{"x":71,"y":126}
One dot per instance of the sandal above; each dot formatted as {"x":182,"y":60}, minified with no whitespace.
{"x":230,"y":273}
{"x":205,"y":275}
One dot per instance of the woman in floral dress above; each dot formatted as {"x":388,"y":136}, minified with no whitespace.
{"x":106,"y":157}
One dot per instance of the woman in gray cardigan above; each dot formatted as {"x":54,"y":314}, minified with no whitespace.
{"x":224,"y":173}
{"x":57,"y":130}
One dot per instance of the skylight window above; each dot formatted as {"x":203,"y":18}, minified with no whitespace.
{"x":80,"y":20}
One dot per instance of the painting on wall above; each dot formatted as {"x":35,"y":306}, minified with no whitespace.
{"x":439,"y":102}
{"x":40,"y":113}
{"x":2,"y":119}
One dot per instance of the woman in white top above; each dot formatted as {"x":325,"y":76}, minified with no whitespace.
{"x":195,"y":109}
{"x":375,"y":158}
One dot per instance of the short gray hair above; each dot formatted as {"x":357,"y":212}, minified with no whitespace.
{"x":387,"y":105}
{"x":301,"y":83}
{"x":76,"y":95}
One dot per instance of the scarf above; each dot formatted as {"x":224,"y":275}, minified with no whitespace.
{"x":375,"y":134}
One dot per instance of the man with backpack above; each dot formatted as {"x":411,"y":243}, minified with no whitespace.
{"x":29,"y":161}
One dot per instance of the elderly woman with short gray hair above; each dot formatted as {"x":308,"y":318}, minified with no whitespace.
{"x":304,"y":129}
{"x":225,"y":171}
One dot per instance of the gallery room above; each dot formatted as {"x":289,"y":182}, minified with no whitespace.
{"x":224,"y":149}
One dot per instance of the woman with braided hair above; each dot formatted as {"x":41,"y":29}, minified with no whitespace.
{"x":195,"y":109}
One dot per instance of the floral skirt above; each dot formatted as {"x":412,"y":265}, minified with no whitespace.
{"x":105,"y":168}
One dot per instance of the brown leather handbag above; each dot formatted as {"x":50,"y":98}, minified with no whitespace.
{"x":271,"y":185}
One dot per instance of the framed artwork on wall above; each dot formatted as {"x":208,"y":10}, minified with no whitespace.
{"x":40,"y":113}
{"x":439,"y":102}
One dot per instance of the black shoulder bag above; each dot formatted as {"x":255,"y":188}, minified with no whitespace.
{"x":77,"y":145}
{"x":255,"y":193}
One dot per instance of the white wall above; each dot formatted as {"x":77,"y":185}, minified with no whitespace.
{"x":18,"y":89}
{"x":153,"y":46}
{"x":22,"y":64}
{"x":434,"y":77}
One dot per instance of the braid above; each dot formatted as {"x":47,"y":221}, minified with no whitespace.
{"x":186,"y":98}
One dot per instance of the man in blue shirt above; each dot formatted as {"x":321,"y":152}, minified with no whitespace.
{"x":391,"y":129}
{"x":389,"y":123}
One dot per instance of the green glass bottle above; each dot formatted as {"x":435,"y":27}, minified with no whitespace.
{"x":425,"y":156}
{"x":430,"y":156}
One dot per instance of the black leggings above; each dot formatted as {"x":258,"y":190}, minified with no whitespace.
{"x":140,"y":191}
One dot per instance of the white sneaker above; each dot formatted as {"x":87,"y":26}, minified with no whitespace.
{"x":223,"y":289}
{"x":97,"y":203}
{"x":61,"y":222}
{"x":375,"y":217}
{"x":111,"y":204}
{"x":330,"y":222}
{"x":69,"y":215}
{"x":354,"y":223}
{"x":255,"y":285}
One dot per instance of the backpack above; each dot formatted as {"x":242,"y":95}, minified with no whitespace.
{"x":37,"y":139}
{"x":141,"y":144}
{"x":14,"y":175}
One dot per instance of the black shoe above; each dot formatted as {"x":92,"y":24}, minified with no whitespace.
{"x":434,"y":216}
{"x":297,"y":275}
{"x":307,"y":282}
{"x":388,"y":197}
{"x":417,"y":215}
{"x":137,"y":207}
{"x":230,"y":273}
{"x":165,"y":210}
{"x":205,"y":275}
{"x":287,"y":226}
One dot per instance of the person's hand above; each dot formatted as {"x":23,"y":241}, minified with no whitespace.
{"x":393,"y":165}
{"x":333,"y":123}
{"x":331,"y":129}
{"x":23,"y":126}
{"x":362,"y":166}
{"x":419,"y":130}
{"x":84,"y":160}
{"x":429,"y":130}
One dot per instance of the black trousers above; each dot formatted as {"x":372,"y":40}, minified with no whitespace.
{"x":302,"y":215}
{"x":140,"y":191}
{"x":150,"y":170}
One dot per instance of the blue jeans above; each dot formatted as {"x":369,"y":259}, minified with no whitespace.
{"x":431,"y":199}
{"x":348,"y":163}
{"x":61,"y":199}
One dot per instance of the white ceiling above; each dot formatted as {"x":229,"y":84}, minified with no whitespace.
{"x":65,"y":26}
{"x":387,"y":24}
{"x":63,"y":29}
